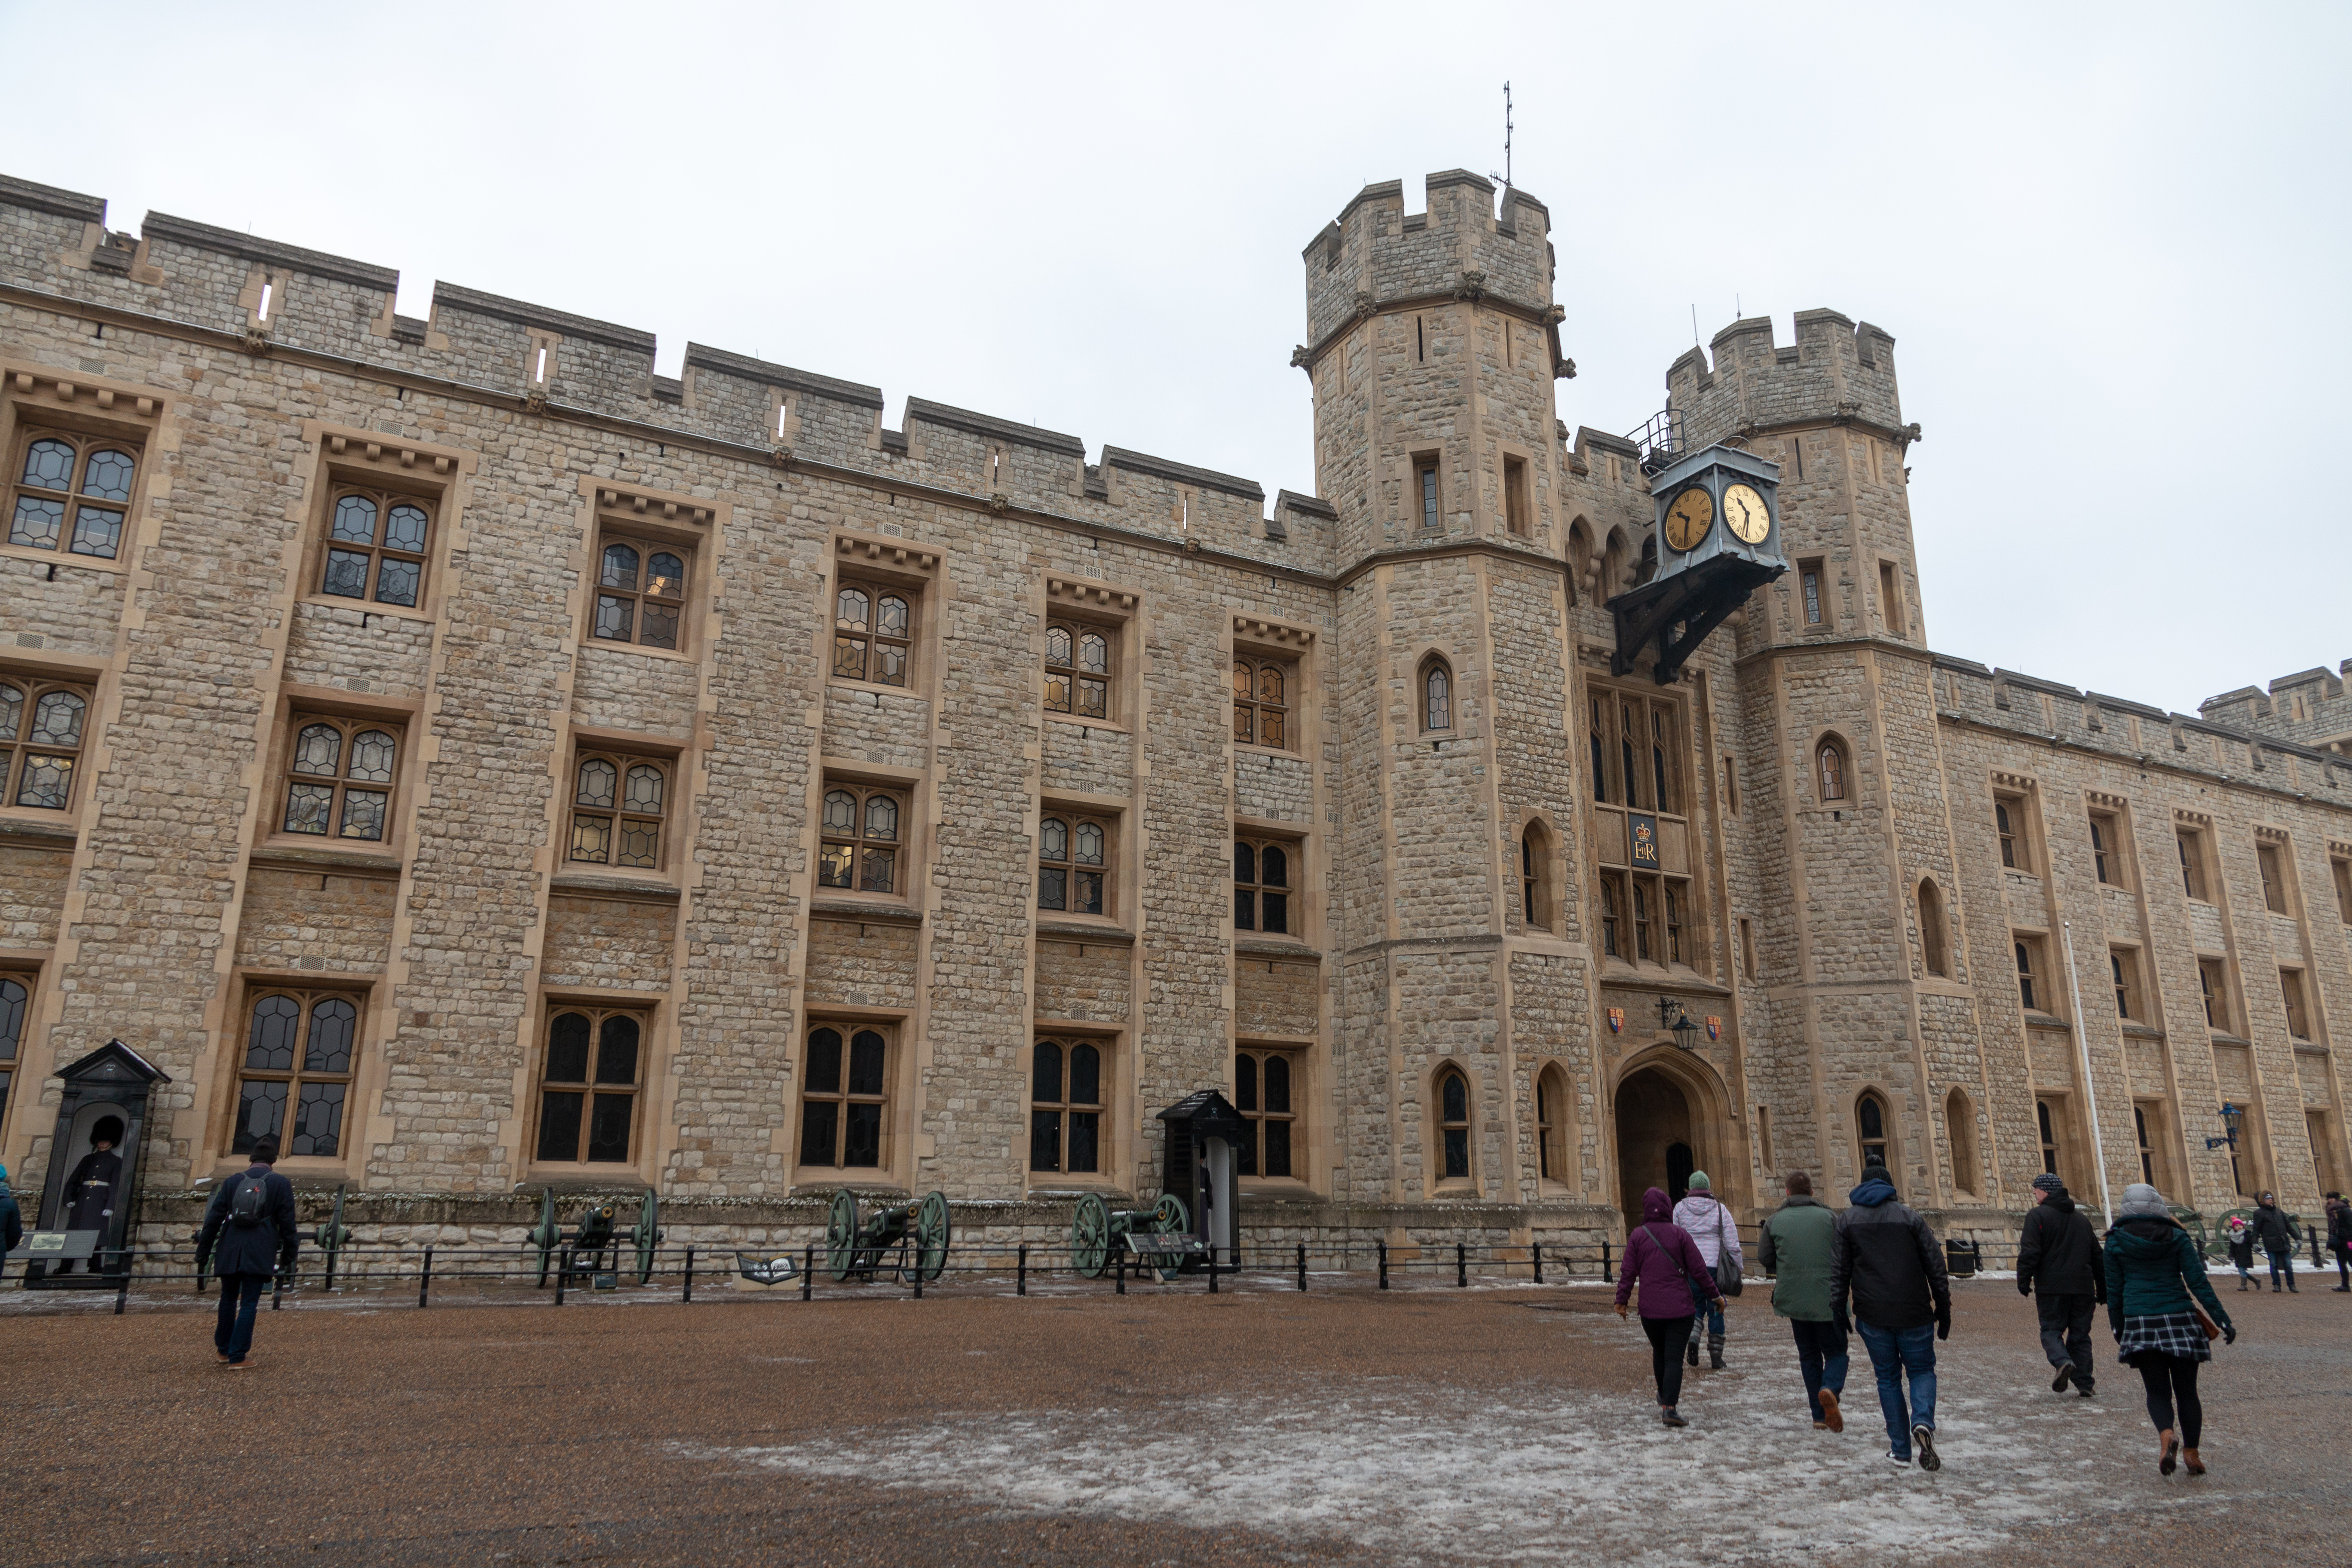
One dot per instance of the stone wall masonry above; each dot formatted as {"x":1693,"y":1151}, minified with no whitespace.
{"x":32,"y":877}
{"x":1276,"y":788}
{"x":358,"y":650}
{"x":74,"y":613}
{"x":1081,"y":983}
{"x":1088,"y":758}
{"x":305,"y":919}
{"x":1276,"y":999}
{"x":608,"y":944}
{"x":642,"y":693}
{"x":1834,"y":367}
{"x":2310,"y":708}
{"x":868,"y":964}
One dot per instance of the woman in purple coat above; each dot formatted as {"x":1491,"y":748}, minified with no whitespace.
{"x":1662,"y":1258}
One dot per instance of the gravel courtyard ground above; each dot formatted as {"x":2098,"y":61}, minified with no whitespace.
{"x":1489,"y":1425}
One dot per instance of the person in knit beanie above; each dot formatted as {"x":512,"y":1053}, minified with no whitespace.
{"x":2155,"y":1281}
{"x":2059,"y":1264}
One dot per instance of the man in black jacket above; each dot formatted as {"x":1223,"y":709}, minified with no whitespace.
{"x":2275,"y":1229}
{"x":2339,"y":1239}
{"x":1886,"y":1259}
{"x":2059,"y":1263}
{"x":251,"y":1244}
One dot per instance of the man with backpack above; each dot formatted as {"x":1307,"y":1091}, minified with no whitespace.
{"x":2060,"y":1265}
{"x":251,"y":1218}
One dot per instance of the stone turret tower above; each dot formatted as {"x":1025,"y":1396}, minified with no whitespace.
{"x":1432,"y":349}
{"x":1870,"y":1017}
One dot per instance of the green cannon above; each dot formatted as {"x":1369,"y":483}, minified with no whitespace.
{"x":916,"y":1233}
{"x":333,"y":1236}
{"x":1099,"y":1234}
{"x":595,"y":1234}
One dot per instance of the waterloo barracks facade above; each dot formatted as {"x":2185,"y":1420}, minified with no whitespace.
{"x":489,"y":765}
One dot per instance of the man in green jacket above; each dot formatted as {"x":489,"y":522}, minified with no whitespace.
{"x":1797,"y":1254}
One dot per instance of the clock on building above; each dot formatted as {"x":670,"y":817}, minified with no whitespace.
{"x":1718,"y":518}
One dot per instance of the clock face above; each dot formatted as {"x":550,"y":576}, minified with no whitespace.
{"x":1689,"y":518}
{"x":1745,"y":510}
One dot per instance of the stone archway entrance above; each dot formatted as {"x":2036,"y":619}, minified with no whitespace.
{"x":1656,"y":1139}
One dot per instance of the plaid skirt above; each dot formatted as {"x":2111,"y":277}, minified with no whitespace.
{"x":2167,"y":1333}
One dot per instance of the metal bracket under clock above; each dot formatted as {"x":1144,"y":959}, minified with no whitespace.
{"x":1679,"y":612}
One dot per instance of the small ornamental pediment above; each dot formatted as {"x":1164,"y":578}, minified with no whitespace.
{"x":655,"y":506}
{"x":377,"y":451}
{"x":1098,"y":594}
{"x":867,"y":549}
{"x":1271,"y":631}
{"x":2100,"y":797}
{"x":2019,"y":782}
{"x":2191,"y":818}
{"x":68,"y":390}
{"x":2338,"y":847}
{"x":2270,"y":835}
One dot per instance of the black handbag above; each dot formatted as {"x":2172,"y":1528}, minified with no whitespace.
{"x":1727,"y":1273}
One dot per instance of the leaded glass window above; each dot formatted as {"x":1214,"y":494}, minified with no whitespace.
{"x":338,"y":778}
{"x":863,"y":836}
{"x":873,"y":634}
{"x":1452,"y":1125}
{"x":1262,"y":701}
{"x":298,"y":1050}
{"x":1436,"y":695}
{"x":42,"y":728}
{"x":618,"y":806}
{"x":640,"y":593}
{"x":1072,"y":855}
{"x":1077,"y":671}
{"x":72,"y":492}
{"x":376,"y":543}
{"x":1065,"y":1107}
{"x":1263,"y":875}
{"x":1266,"y":1084}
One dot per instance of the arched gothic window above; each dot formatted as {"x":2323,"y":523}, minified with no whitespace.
{"x":872,"y":631}
{"x":1452,"y":1125}
{"x":862,"y":839}
{"x":296,"y":1069}
{"x":1261,"y":701}
{"x":40,"y":743}
{"x":1077,"y":671}
{"x":1071,"y":856}
{"x":1066,"y":1102}
{"x":1960,"y":1124}
{"x":1931,"y":929}
{"x":1870,"y":1119}
{"x":1832,"y":771}
{"x":1436,"y":695}
{"x":618,"y":803}
{"x":1535,"y":872}
{"x":339,"y":779}
{"x":1551,"y":1124}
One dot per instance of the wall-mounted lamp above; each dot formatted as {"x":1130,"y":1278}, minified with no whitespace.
{"x":1671,"y":1016}
{"x":2233,"y":1121}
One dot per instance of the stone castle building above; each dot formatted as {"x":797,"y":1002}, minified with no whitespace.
{"x":489,"y":764}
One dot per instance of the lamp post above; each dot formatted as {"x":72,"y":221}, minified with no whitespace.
{"x":1672,"y":1017}
{"x":2233,"y":1121}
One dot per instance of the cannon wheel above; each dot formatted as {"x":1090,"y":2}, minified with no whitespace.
{"x":1169,"y":1219}
{"x":841,"y":1235}
{"x":647,"y":1236}
{"x":932,"y":1237}
{"x":545,"y":1233}
{"x":1090,"y":1237}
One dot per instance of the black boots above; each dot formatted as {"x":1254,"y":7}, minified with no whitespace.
{"x":1691,"y":1350}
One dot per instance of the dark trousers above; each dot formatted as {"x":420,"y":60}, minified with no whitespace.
{"x":1822,"y":1357}
{"x":2343,"y":1264}
{"x":2171,"y":1379}
{"x":2282,"y":1262}
{"x":1667,"y":1338}
{"x":240,"y":1298}
{"x":2066,"y":1331}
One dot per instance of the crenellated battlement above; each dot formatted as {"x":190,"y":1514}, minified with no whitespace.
{"x":1375,"y":254}
{"x":278,"y":297}
{"x":2217,"y":741}
{"x":2311,"y":708}
{"x":1837,"y":369}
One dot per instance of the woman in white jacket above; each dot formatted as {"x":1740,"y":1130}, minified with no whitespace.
{"x":1717,"y":1234}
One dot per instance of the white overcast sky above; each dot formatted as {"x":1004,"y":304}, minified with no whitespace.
{"x":2110,"y":241}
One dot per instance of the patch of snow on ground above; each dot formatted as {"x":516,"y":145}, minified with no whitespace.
{"x":1412,"y":1469}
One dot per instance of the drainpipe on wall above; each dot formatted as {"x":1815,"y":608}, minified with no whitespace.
{"x":2082,"y":1053}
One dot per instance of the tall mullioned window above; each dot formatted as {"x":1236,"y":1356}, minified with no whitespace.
{"x":1072,"y":855}
{"x":1262,"y":701}
{"x":862,"y":839}
{"x":297,"y":1071}
{"x":618,"y":805}
{"x":71,"y":493}
{"x":1263,"y":875}
{"x":1452,"y":1126}
{"x":845,"y":1096}
{"x":376,"y":546}
{"x":589,"y":1082}
{"x":640,"y":592}
{"x":1266,"y":1093}
{"x":1065,"y":1107}
{"x":1436,"y":695}
{"x":42,"y":724}
{"x":1077,"y":671}
{"x":873,"y":634}
{"x":338,"y":778}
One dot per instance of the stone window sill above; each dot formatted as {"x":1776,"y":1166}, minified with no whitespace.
{"x":309,"y":856}
{"x":1107,"y":934}
{"x":66,"y":557}
{"x":873,"y":914}
{"x":1277,"y":947}
{"x":645,"y":887}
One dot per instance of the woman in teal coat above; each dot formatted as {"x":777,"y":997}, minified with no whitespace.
{"x":2153,"y":1265}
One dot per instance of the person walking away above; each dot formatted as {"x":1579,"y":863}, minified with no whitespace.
{"x":2239,"y":1236}
{"x":252,"y":1219}
{"x":2339,"y":1241}
{"x":12,"y":1219}
{"x":1710,"y":1224}
{"x":1796,"y":1253}
{"x":1884,"y":1258}
{"x":1661,"y":1256}
{"x":2152,"y":1266}
{"x":2275,"y":1229}
{"x":2059,"y":1264}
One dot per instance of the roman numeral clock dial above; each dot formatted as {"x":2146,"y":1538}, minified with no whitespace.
{"x":1689,"y":518}
{"x":1743,"y":511}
